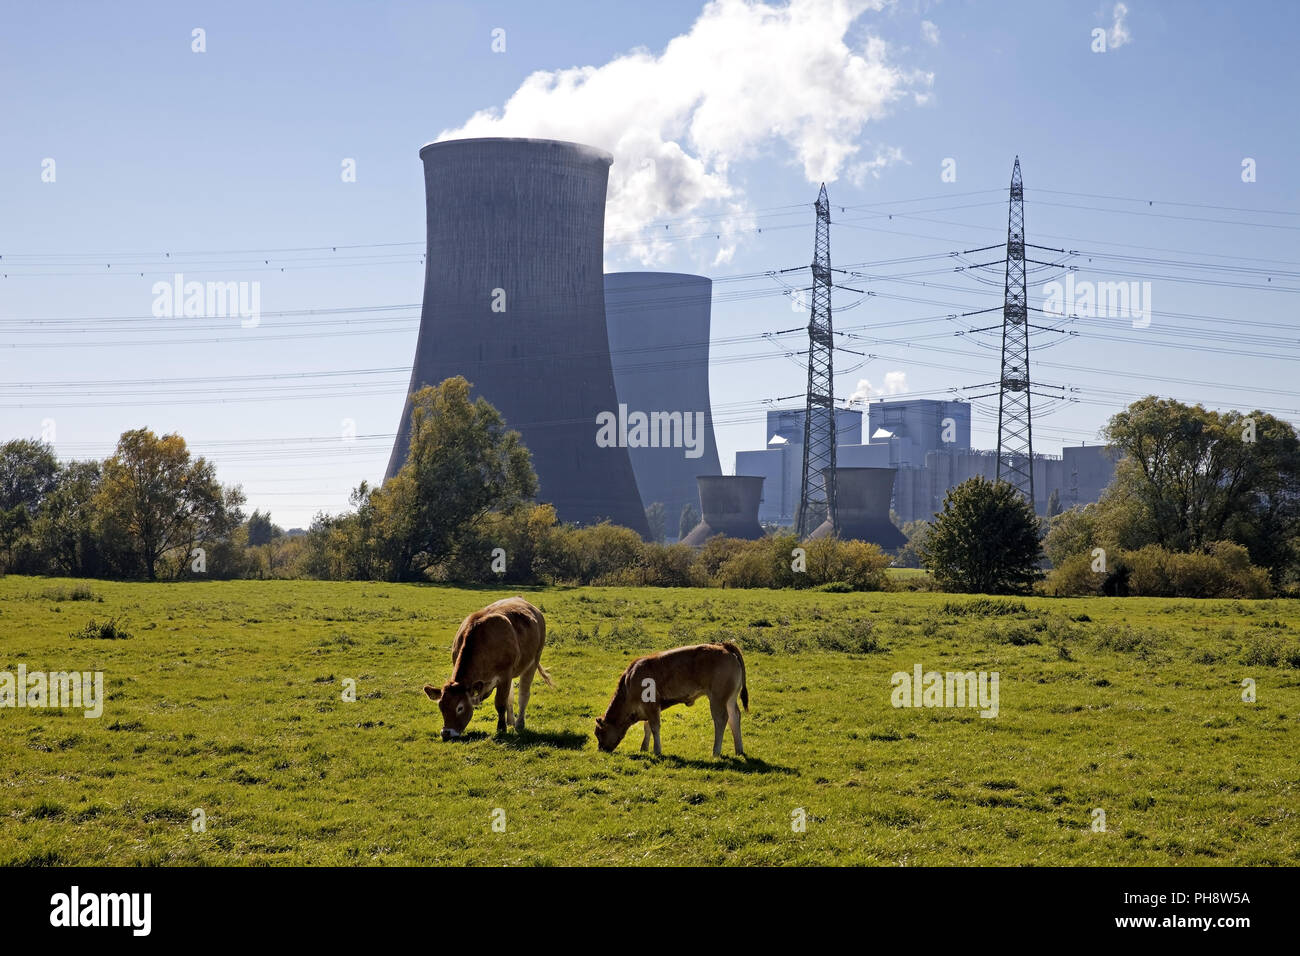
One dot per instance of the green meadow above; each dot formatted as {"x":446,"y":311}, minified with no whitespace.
{"x":228,"y":698}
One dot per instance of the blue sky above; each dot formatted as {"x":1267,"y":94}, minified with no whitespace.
{"x":226,"y":165}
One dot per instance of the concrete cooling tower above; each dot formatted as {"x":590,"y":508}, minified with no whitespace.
{"x":862,"y":498}
{"x":658,"y":325}
{"x":729,"y":504}
{"x":514,"y":300}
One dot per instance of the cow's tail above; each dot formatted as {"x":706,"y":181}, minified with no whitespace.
{"x":541,"y":627}
{"x":744,"y":683}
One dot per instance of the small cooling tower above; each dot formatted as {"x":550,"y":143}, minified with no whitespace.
{"x":862,"y":497}
{"x":729,"y":504}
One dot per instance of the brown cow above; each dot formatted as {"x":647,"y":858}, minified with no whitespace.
{"x":679,"y":676}
{"x":493,"y":646}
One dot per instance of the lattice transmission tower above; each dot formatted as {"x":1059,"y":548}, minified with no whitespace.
{"x":817,"y":495}
{"x":1015,"y":425}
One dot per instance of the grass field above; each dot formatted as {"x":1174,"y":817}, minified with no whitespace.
{"x":228,"y":697}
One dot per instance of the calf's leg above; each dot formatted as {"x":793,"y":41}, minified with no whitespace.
{"x":653,"y":723}
{"x":733,"y":718}
{"x":719,"y":710}
{"x":525,"y":689}
{"x":645,"y":741}
{"x":502,"y":704}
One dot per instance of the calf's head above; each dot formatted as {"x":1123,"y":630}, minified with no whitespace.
{"x":456,"y":701}
{"x":609,"y":734}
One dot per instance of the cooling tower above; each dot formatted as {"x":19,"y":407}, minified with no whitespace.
{"x":658,"y":325}
{"x":862,"y":498}
{"x":729,"y":504}
{"x":514,"y":300}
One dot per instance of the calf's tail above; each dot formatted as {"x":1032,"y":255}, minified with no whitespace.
{"x":545,"y":676}
{"x":744,"y":683}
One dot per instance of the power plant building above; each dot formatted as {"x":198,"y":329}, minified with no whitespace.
{"x":927,"y":442}
{"x":514,"y":300}
{"x":915,"y":427}
{"x":658,"y":325}
{"x":781,"y":463}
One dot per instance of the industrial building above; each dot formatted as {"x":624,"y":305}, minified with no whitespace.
{"x":915,"y":427}
{"x":658,"y":325}
{"x":781,"y":462}
{"x":514,"y":300}
{"x":927,"y":442}
{"x":1078,"y":475}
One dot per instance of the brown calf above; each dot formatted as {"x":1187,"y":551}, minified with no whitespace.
{"x":679,"y":676}
{"x":493,"y":646}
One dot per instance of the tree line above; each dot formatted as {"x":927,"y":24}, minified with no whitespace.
{"x":1203,"y":504}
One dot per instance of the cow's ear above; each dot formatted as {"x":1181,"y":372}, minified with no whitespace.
{"x":433,"y":693}
{"x":477,"y":689}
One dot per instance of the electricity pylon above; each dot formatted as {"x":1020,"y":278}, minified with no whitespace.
{"x":1015,"y":424}
{"x":817,"y":495}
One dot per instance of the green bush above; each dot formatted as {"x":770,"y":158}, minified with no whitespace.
{"x":108,"y":630}
{"x":983,"y":607}
{"x":745,"y":568}
{"x":1222,"y":571}
{"x":1073,"y":577}
{"x":78,"y":592}
{"x":669,"y":566}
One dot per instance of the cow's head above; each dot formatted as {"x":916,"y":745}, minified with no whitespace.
{"x":456,"y":701}
{"x":609,"y":734}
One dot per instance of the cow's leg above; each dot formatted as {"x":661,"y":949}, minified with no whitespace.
{"x":645,"y":741}
{"x":733,"y":718}
{"x":719,"y":710}
{"x":525,"y":688}
{"x":503,"y":704}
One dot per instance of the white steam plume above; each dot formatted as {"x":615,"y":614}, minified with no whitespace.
{"x":745,"y":74}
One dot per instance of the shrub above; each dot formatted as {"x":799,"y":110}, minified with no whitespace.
{"x":1018,"y":635}
{"x":1127,"y":640}
{"x":745,"y":568}
{"x":669,"y":566}
{"x":1222,"y":571}
{"x":985,"y":541}
{"x":109,"y":630}
{"x":715,"y":553}
{"x":1073,"y":577}
{"x":860,"y":565}
{"x":983,"y":607}
{"x":853,"y":637}
{"x":78,"y":592}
